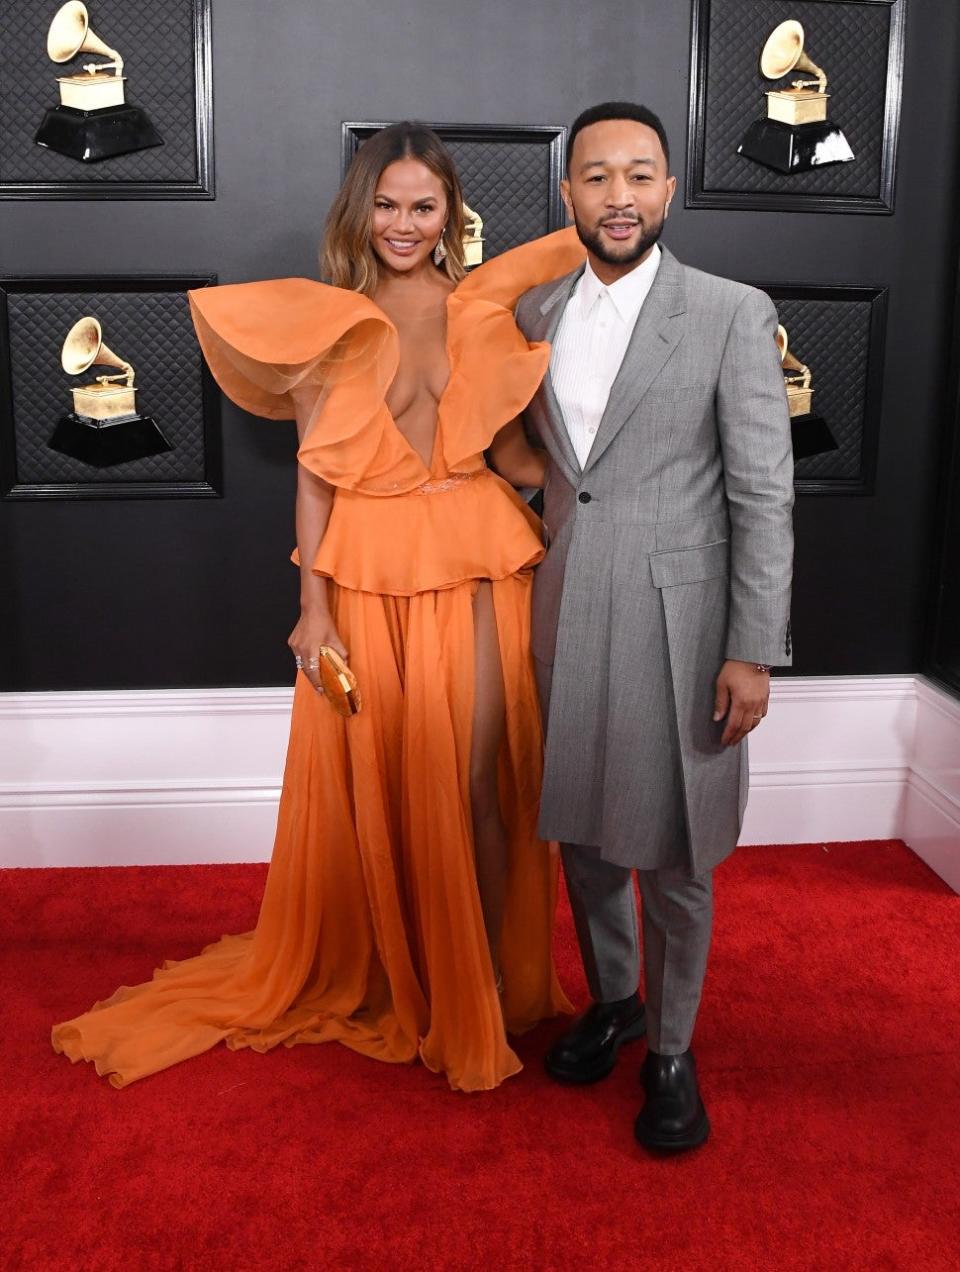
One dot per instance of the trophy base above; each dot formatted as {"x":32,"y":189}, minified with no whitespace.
{"x":794,"y":147}
{"x":104,"y":402}
{"x":811,"y":436}
{"x":92,"y":135}
{"x":103,"y":443}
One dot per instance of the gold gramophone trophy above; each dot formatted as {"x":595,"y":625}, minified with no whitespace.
{"x":810,"y":433}
{"x":473,"y":239}
{"x":104,"y":427}
{"x":94,"y":120}
{"x":796,"y":134}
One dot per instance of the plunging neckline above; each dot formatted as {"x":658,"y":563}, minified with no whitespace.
{"x":429,"y":463}
{"x":264,"y":339}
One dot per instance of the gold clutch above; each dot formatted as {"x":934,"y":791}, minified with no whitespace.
{"x":340,"y":686}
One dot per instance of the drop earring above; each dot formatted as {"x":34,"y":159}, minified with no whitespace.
{"x":440,"y":251}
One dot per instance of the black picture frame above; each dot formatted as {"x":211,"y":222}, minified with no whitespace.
{"x":855,"y":415}
{"x":529,"y":141}
{"x":698,"y":195}
{"x":206,"y":433}
{"x":200,"y":187}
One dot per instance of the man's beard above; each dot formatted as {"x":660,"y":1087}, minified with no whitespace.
{"x":594,"y":241}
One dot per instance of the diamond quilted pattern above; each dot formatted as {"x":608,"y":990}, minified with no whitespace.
{"x":833,"y":338}
{"x":153,"y":331}
{"x":849,"y":40}
{"x":508,"y":183}
{"x":157,"y":44}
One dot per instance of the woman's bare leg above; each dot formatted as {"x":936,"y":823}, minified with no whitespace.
{"x":489,"y":832}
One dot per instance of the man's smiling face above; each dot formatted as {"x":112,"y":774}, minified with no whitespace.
{"x":618,"y":191}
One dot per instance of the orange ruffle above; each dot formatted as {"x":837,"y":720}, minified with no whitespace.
{"x":505,"y":278}
{"x":494,"y":372}
{"x":263,"y":341}
{"x":455,"y":529}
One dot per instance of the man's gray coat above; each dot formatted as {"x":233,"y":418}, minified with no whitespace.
{"x":668,"y":553}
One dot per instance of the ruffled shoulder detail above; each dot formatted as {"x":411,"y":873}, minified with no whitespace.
{"x":275,"y":345}
{"x":505,"y":278}
{"x":262,"y":340}
{"x":266,"y":342}
{"x":495,"y":372}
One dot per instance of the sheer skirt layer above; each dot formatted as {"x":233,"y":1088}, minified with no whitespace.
{"x":371,"y":931}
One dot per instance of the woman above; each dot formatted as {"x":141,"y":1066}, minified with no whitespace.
{"x":409,"y":905}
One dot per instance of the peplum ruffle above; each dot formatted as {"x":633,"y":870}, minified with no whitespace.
{"x":454,"y":529}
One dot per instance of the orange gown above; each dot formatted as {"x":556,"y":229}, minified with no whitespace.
{"x":371,"y":930}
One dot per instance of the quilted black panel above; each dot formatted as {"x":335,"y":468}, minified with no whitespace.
{"x":833,"y":338}
{"x":508,"y":184}
{"x":156,"y":40}
{"x":151,"y":330}
{"x":848,"y":39}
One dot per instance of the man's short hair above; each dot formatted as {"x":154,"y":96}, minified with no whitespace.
{"x":618,"y":110}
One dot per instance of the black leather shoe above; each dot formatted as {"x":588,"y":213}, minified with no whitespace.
{"x":589,"y":1051}
{"x":673,"y":1117}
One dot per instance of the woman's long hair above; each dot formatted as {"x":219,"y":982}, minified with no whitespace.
{"x":347,"y":258}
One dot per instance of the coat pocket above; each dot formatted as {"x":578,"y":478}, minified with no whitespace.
{"x":690,"y":565}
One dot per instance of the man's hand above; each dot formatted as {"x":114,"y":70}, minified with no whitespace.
{"x":742,"y":696}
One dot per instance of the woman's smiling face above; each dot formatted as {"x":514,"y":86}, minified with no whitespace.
{"x":410,"y":211}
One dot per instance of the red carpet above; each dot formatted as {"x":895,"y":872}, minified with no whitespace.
{"x":828,"y":1050}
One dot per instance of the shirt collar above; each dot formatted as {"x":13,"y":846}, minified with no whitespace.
{"x":627,"y":293}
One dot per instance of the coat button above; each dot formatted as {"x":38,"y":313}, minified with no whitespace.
{"x":584,"y":496}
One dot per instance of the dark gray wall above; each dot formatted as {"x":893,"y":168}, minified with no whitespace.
{"x":157,"y":593}
{"x":943,"y":645}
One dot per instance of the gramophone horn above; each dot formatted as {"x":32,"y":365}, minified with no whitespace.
{"x":84,"y":348}
{"x":783,"y":52}
{"x":782,"y":341}
{"x":70,"y":34}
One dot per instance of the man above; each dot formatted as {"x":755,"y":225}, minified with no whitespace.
{"x":661,"y":603}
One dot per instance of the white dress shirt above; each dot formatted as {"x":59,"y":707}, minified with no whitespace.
{"x":590,"y":343}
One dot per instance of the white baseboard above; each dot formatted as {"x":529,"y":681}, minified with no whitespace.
{"x":186,"y":776}
{"x":831,"y":760}
{"x":932,"y":806}
{"x":825,"y":805}
{"x":149,"y":777}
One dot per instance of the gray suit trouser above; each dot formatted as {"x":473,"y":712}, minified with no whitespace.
{"x":677,"y":922}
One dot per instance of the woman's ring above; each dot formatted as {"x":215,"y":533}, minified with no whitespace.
{"x":299,"y":661}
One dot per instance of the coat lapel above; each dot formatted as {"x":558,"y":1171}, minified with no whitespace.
{"x":555,"y":435}
{"x":658,"y":331}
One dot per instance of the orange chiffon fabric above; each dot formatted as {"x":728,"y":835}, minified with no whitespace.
{"x":371,"y":930}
